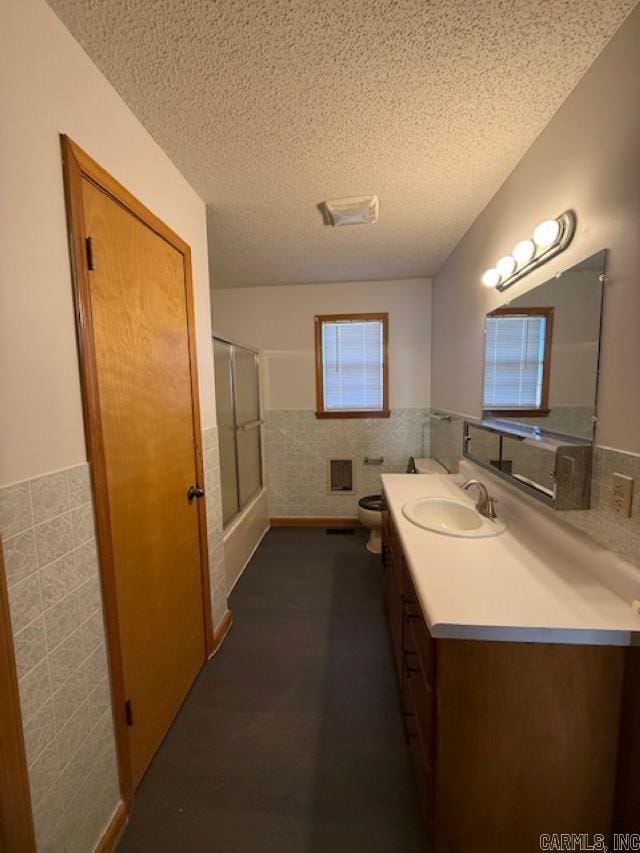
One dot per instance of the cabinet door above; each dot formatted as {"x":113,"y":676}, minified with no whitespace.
{"x":395,"y":614}
{"x":422,"y":770}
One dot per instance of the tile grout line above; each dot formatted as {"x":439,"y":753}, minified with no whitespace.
{"x":54,"y":606}
{"x":46,"y":474}
{"x":73,"y":755}
{"x":46,"y":658}
{"x":85,"y":701}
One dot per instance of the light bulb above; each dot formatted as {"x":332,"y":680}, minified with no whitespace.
{"x":491,"y":278}
{"x":524,"y":251}
{"x":546,"y":233}
{"x":506,"y":266}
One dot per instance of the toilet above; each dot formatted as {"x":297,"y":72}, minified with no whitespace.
{"x":370,"y":507}
{"x":370,"y":514}
{"x":429,"y":466}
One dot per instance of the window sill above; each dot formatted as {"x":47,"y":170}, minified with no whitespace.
{"x":383,"y":413}
{"x":514,"y":413}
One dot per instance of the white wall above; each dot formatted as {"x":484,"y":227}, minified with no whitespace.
{"x":576,"y":299}
{"x":279,"y":320}
{"x":49,"y":86}
{"x":587,"y":158}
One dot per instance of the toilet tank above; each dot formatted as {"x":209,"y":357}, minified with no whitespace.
{"x":429,"y":466}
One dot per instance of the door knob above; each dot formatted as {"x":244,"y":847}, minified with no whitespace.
{"x":195,"y":492}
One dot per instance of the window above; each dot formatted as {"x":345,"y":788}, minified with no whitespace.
{"x":351,"y":366}
{"x":517,"y":361}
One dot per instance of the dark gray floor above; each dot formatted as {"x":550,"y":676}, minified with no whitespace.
{"x":292,"y":737}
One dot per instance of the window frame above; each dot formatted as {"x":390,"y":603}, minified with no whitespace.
{"x":321,"y":412}
{"x":543,"y":410}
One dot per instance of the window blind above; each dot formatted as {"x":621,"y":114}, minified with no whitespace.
{"x":514,"y":361}
{"x":352,"y":365}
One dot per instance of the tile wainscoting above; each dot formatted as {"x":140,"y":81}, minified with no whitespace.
{"x":56,"y":612}
{"x":614,"y":532}
{"x":51,"y":563}
{"x":298,"y":448}
{"x":570,"y":420}
{"x":600,"y":523}
{"x":446,"y":440}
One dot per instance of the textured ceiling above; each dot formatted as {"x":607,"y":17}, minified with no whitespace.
{"x":270,"y":106}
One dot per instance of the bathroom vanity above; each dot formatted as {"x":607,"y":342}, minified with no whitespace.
{"x":511,"y":654}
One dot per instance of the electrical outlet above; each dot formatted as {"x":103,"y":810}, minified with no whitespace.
{"x":622,"y":494}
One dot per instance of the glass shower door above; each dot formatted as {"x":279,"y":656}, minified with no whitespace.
{"x":247,"y":400}
{"x":238,"y":406}
{"x":223,"y":363}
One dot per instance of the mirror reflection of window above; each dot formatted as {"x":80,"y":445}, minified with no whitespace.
{"x":517,"y":362}
{"x":552,"y":389}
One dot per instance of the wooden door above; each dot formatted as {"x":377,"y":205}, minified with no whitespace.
{"x":133,"y":287}
{"x":16,"y":824}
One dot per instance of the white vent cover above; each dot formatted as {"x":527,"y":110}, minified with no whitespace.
{"x":359,"y":210}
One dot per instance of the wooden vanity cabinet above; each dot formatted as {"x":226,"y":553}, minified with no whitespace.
{"x":509,"y":740}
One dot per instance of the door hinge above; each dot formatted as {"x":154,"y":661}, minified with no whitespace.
{"x":89,"y":245}
{"x":128,"y":713}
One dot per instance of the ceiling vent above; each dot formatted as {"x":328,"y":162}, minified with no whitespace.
{"x":359,"y":210}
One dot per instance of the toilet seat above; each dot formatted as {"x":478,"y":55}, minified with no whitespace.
{"x":375,"y":503}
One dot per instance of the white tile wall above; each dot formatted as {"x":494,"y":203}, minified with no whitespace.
{"x":214,"y":524}
{"x":56,"y":613}
{"x":570,"y":420}
{"x":52,"y":573}
{"x":298,"y":448}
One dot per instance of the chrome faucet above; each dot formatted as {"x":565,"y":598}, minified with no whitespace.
{"x":486,"y":505}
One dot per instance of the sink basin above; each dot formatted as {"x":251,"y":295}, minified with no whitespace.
{"x":451,"y":518}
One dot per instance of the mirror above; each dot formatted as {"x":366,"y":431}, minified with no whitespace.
{"x":529,"y":462}
{"x":552,"y":468}
{"x":483,"y":445}
{"x":542,"y":351}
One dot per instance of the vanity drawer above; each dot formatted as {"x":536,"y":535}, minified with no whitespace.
{"x":422,"y":770}
{"x":395,"y":615}
{"x":422,"y":703}
{"x":418,"y":639}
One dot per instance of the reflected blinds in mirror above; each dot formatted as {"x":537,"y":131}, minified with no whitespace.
{"x":514,"y":368}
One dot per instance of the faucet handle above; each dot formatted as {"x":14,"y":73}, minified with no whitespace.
{"x":491,"y":507}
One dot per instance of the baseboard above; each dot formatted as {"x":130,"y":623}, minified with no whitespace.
{"x":221,"y":631}
{"x":113,"y":830}
{"x":315,"y":522}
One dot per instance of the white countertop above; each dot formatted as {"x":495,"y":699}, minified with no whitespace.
{"x":539,"y":581}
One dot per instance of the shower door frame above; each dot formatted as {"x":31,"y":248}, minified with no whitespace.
{"x":258,"y":424}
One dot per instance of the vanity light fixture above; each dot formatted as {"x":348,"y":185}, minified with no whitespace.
{"x":549,"y":239}
{"x":524,"y":251}
{"x":491,"y":278}
{"x":546,"y":233}
{"x":506,"y":265}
